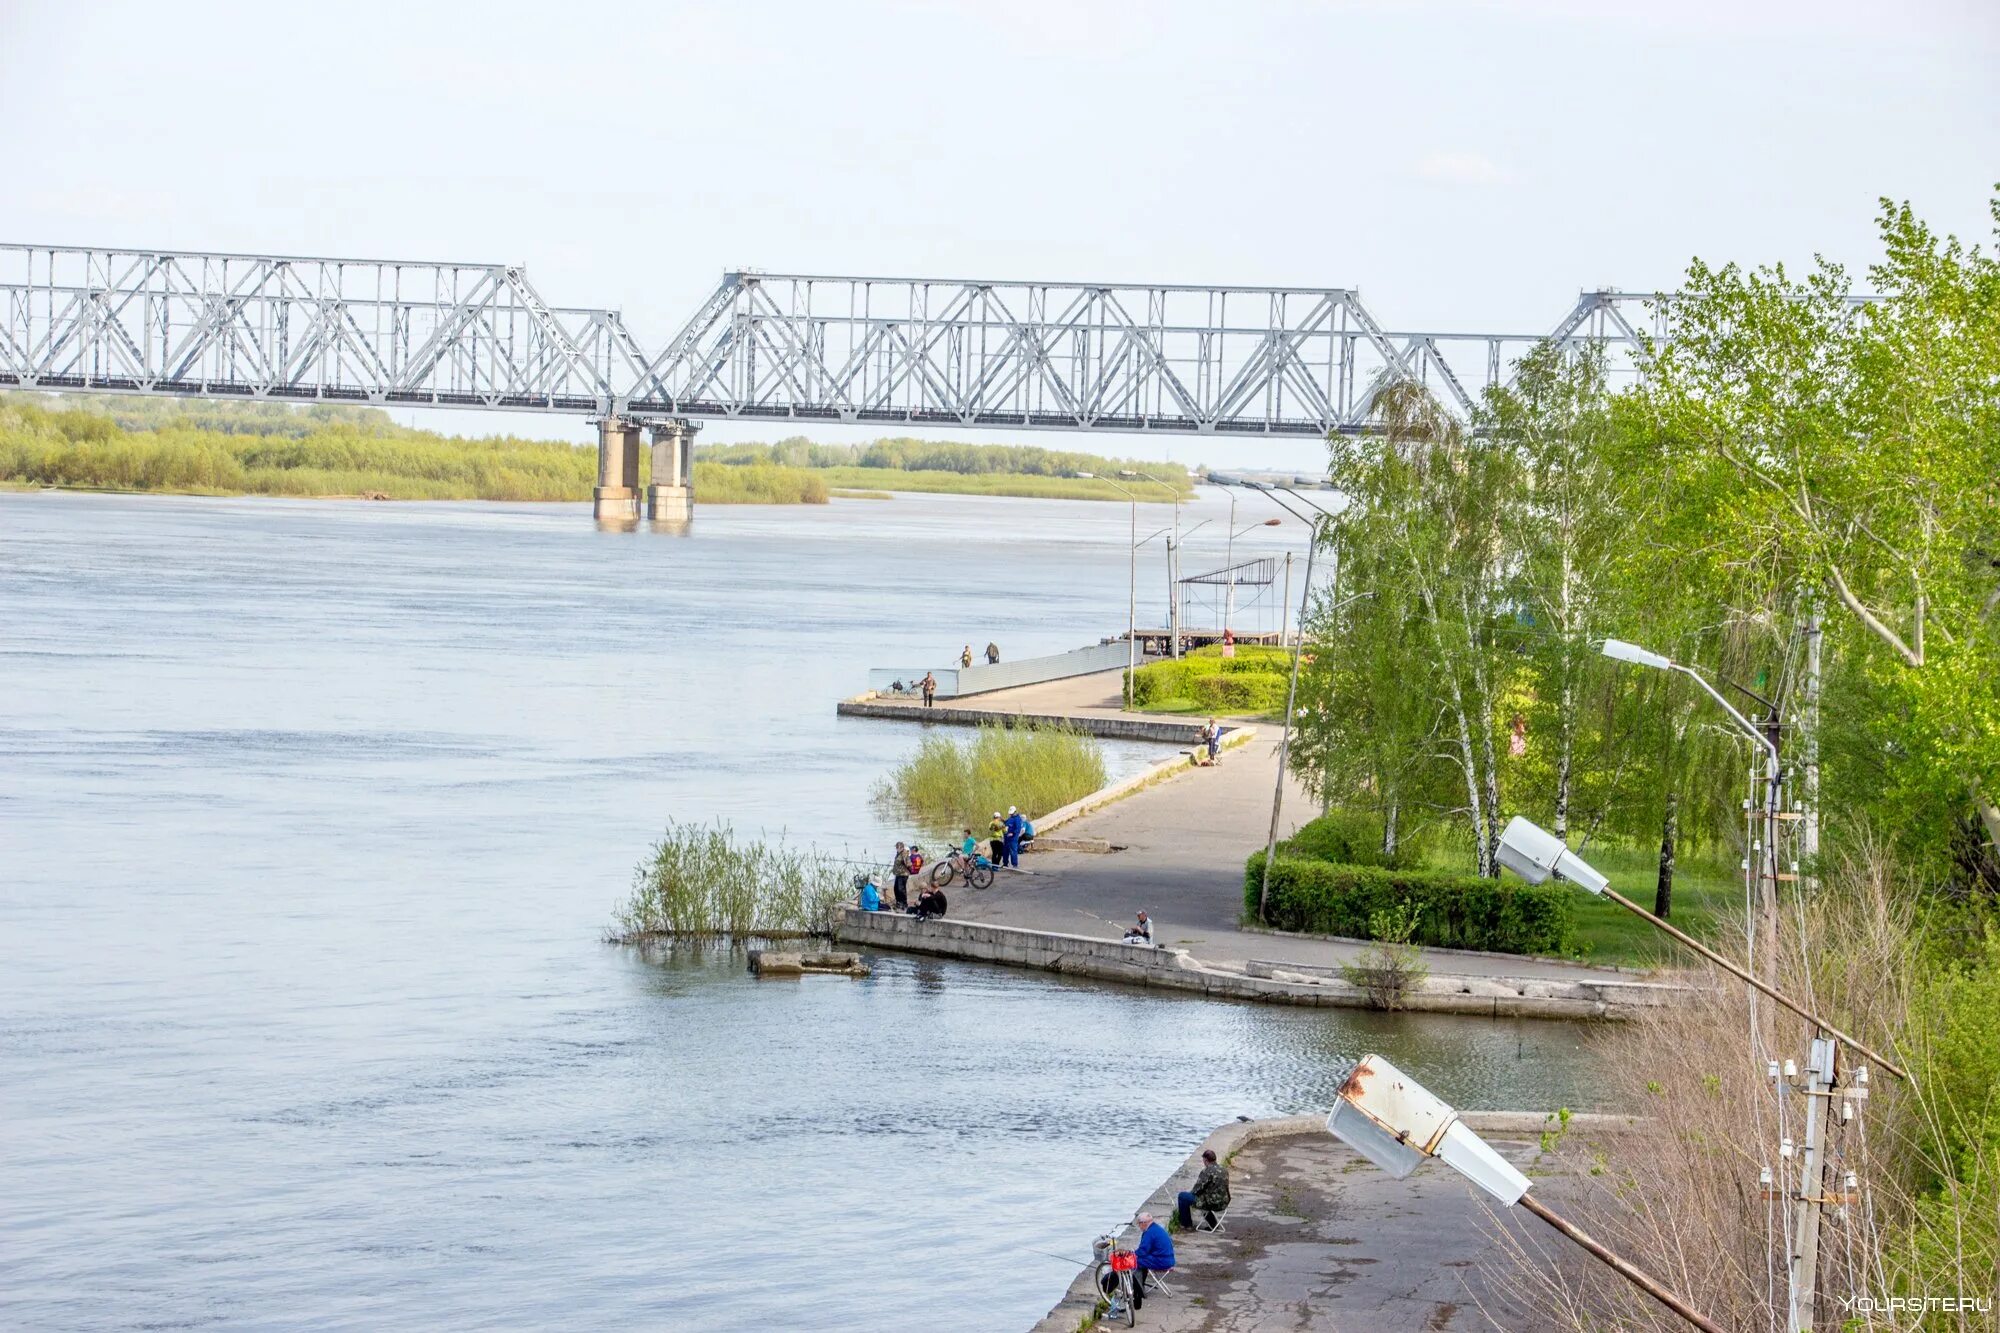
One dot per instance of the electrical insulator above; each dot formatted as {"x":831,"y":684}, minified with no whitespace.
{"x":1795,"y":867}
{"x":1861,"y":1076}
{"x":1785,"y":1149}
{"x":1773,"y":1067}
{"x":1853,"y":1181}
{"x":1791,"y":1069}
{"x":1744,"y":864}
{"x":1764,"y":1177}
{"x":1847,"y":1113}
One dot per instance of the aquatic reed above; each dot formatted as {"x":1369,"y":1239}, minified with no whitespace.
{"x":948,"y":784}
{"x":702,"y":881}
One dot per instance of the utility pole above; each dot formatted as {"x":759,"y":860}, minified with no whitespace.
{"x":1810,"y":1202}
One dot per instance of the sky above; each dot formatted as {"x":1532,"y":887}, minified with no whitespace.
{"x":1464,"y":165}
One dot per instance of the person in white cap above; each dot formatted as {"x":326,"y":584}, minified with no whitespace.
{"x":996,"y":833}
{"x":1013,"y":842}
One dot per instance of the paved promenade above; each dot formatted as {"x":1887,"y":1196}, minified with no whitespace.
{"x":1183,"y":845}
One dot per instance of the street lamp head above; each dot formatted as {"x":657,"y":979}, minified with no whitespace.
{"x":1534,"y":854}
{"x":1393,"y":1121}
{"x":1622,"y":651}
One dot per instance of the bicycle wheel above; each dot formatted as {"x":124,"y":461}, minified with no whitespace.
{"x":941,"y":872}
{"x":1126,"y":1288}
{"x":979,"y":875}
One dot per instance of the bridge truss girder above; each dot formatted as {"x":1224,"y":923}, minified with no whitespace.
{"x":885,"y":351}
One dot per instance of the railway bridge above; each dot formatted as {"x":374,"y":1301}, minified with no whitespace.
{"x":936,"y":353}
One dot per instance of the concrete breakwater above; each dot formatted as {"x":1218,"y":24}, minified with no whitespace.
{"x":1316,"y":1231}
{"x":1167,"y":731}
{"x":1175,"y":969}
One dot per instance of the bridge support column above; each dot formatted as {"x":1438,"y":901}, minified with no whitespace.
{"x":617,"y":494}
{"x":670,"y":499}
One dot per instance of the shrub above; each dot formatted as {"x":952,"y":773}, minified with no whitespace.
{"x":1393,"y":967}
{"x":1456,"y":911}
{"x":1254,"y":681}
{"x":1351,"y":838}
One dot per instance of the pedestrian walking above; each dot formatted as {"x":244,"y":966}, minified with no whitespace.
{"x":965,"y":656}
{"x":930,"y":688}
{"x":1212,"y":737}
{"x":900,"y":868}
{"x":992,"y":654}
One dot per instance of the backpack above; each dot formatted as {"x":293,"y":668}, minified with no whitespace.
{"x":916,"y":859}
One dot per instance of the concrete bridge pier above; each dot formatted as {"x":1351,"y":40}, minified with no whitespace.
{"x":670,"y":498}
{"x":617,"y":494}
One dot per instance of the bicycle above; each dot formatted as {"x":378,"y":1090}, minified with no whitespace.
{"x":978,"y":871}
{"x":1116,"y":1278}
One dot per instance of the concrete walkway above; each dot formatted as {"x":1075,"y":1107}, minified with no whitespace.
{"x":1184,"y":842}
{"x":1319,"y":1241}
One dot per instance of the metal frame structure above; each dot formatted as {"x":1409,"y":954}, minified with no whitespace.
{"x":1267,"y":361}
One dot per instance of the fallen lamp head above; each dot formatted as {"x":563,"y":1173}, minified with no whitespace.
{"x":1534,"y":854}
{"x":1393,"y":1121}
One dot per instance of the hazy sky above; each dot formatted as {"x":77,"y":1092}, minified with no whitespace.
{"x":1465,"y":165}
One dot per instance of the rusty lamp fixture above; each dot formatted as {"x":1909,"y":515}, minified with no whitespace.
{"x":1387,"y":1117}
{"x":1534,"y":854}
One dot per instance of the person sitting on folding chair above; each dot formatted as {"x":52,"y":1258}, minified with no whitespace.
{"x":1155,"y":1254}
{"x":1210,"y":1193}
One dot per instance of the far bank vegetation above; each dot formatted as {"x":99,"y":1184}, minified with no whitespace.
{"x":196,"y":447}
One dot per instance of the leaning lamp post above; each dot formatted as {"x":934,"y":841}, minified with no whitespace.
{"x":1535,"y":854}
{"x":1394,"y":1122}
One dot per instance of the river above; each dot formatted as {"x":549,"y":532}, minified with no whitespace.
{"x":313,"y":814}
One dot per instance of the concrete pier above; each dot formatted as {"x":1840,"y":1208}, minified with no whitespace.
{"x":616,"y":497}
{"x":670,"y":497}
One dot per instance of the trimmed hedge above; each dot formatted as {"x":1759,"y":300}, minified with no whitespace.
{"x":1456,"y":911}
{"x":1348,"y":838}
{"x":1254,"y":681}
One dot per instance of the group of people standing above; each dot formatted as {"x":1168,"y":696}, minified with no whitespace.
{"x":1006,"y":836}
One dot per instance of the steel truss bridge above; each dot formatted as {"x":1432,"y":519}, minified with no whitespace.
{"x":1273,"y":361}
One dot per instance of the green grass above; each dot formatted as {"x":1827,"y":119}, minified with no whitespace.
{"x":1708,"y":904}
{"x":949,"y":784}
{"x":862,"y":495}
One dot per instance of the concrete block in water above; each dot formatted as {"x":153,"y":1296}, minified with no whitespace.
{"x":791,"y":963}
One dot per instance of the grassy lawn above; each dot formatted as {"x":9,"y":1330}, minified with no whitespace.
{"x":1708,"y":903}
{"x":1708,"y":899}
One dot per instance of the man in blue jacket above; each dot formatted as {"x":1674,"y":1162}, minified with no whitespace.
{"x":1155,"y":1255}
{"x":1013,"y":845}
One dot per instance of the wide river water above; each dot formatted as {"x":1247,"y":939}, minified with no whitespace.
{"x":313,"y":814}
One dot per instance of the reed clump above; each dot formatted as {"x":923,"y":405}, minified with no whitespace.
{"x":948,"y":783}
{"x":701,"y":881}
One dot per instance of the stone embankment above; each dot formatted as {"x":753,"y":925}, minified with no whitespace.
{"x":1582,"y":996}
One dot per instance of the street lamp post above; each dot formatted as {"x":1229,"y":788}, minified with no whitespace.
{"x":1131,"y":594}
